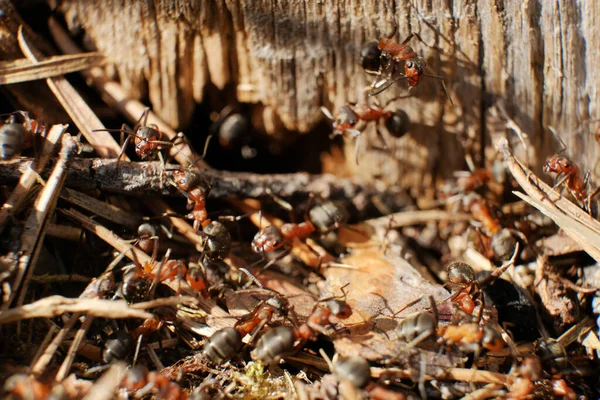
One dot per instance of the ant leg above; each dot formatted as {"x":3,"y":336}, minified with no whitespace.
{"x":123,"y":148}
{"x":280,"y":257}
{"x":561,"y":181}
{"x":381,"y":138}
{"x":311,"y":199}
{"x":282,"y":203}
{"x":382,"y":85}
{"x":392,"y":32}
{"x":143,"y":118}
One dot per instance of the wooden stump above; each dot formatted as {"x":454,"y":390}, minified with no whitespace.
{"x":536,"y":58}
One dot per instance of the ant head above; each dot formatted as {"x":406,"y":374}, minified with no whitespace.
{"x":413,"y":69}
{"x":398,"y":123}
{"x":370,"y":57}
{"x":557,"y":163}
{"x":279,"y":303}
{"x":267,"y":239}
{"x":460,"y":273}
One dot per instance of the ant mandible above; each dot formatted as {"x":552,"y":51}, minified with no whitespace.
{"x":382,"y":57}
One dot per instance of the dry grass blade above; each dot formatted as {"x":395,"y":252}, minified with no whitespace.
{"x":76,"y":107}
{"x":50,"y":307}
{"x":35,"y":225}
{"x":572,"y":219}
{"x":407,"y":218}
{"x":23,"y":70}
{"x":31,"y":174}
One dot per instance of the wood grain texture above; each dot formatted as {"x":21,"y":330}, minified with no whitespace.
{"x":536,"y":57}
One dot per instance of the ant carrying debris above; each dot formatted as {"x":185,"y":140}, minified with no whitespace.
{"x":383,"y":57}
{"x":17,"y":133}
{"x":353,"y":119}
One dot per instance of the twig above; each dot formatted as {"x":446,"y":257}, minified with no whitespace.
{"x":407,"y":218}
{"x":50,"y":307}
{"x":75,"y":106}
{"x":79,"y":336}
{"x":109,"y":237}
{"x":23,"y":70}
{"x":34,"y":232}
{"x":138,"y":178}
{"x":29,"y":174}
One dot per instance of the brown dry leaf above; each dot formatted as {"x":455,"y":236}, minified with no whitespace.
{"x":378,"y":287}
{"x":24,"y":70}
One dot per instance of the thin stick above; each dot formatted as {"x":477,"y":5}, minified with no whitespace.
{"x":143,"y":178}
{"x":23,"y":70}
{"x":50,"y":307}
{"x":408,"y":218}
{"x":75,"y":106}
{"x":29,"y":176}
{"x":450,"y":374}
{"x":34,"y":232}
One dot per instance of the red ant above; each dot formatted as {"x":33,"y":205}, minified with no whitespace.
{"x":382,"y":57}
{"x":462,"y":275}
{"x":352,"y":119}
{"x":140,"y":281}
{"x":144,"y":383}
{"x":17,"y":135}
{"x":280,"y":341}
{"x":324,"y":218}
{"x":571,"y":176}
{"x":146,"y":138}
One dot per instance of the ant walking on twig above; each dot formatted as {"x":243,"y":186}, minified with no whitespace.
{"x":569,"y":174}
{"x":383,"y":57}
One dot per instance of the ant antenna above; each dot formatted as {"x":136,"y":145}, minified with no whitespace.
{"x":562,"y":144}
{"x":327,"y":113}
{"x":443,"y":85}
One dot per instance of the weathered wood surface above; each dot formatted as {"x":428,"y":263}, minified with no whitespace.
{"x":537,"y":57}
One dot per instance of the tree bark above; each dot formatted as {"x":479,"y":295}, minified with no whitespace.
{"x":536,"y":57}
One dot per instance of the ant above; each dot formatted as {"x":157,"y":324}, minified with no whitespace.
{"x":569,"y":174}
{"x":18,"y":133}
{"x":530,"y":383}
{"x":145,"y":383}
{"x":324,"y":217}
{"x":139,"y":281}
{"x":462,"y":275}
{"x":352,"y":119}
{"x":147,"y":138}
{"x":280,"y":341}
{"x":466,"y":336}
{"x":382,"y":58}
{"x":225,"y":343}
